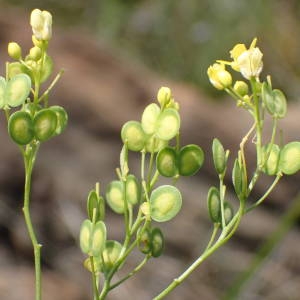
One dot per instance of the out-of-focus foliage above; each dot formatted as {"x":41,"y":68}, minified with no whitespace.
{"x":180,"y":38}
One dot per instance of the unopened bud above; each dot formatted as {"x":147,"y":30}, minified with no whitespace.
{"x":14,"y":50}
{"x":241,"y":88}
{"x":164,"y":96}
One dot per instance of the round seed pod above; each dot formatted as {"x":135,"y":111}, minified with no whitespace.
{"x":17,"y":90}
{"x":20,"y":128}
{"x":97,"y":264}
{"x":45,"y":122}
{"x":166,"y":162}
{"x":111,"y":253}
{"x":219,"y":156}
{"x":289,"y":160}
{"x":157,"y":242}
{"x":2,"y":92}
{"x":214,"y":205}
{"x":149,"y":118}
{"x":114,"y":196}
{"x":133,"y":190}
{"x":132,"y":133}
{"x":144,"y":240}
{"x":86,"y":236}
{"x":168,"y":124}
{"x":16,"y":68}
{"x":98,"y":239}
{"x":165,"y":203}
{"x":271,"y":165}
{"x":62,"y":119}
{"x":190,"y":160}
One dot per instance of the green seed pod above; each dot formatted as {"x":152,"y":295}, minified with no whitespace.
{"x":133,"y":190}
{"x":237,"y":178}
{"x":93,"y":206}
{"x":219,"y":156}
{"x":149,"y":118}
{"x":97,"y":264}
{"x":144,"y":240}
{"x":241,"y":88}
{"x":17,"y":90}
{"x":111,"y":253}
{"x":45,"y":122}
{"x":115,"y":197}
{"x":16,"y":68}
{"x":157,"y":242}
{"x":154,"y":144}
{"x":86,"y":236}
{"x":289,"y":160}
{"x":35,"y":53}
{"x":214,"y":204}
{"x":274,"y":101}
{"x":166,"y":162}
{"x":168,"y":124}
{"x":165,"y":203}
{"x":2,"y":92}
{"x":190,"y":160}
{"x":47,"y":68}
{"x":98,"y":239}
{"x":20,"y":127}
{"x":132,"y":133}
{"x":62,"y":119}
{"x":228,"y":212}
{"x":271,"y":165}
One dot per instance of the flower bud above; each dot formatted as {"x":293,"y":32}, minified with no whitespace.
{"x":164,"y":96}
{"x":35,"y":53}
{"x":14,"y":50}
{"x":219,"y":77}
{"x":241,"y":88}
{"x":41,"y":23}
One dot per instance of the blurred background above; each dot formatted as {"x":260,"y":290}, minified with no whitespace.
{"x":116,"y":54}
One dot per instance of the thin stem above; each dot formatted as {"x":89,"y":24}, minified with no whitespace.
{"x":267,"y":193}
{"x":29,"y":163}
{"x":213,"y":236}
{"x":94,"y":279}
{"x":133,"y":272}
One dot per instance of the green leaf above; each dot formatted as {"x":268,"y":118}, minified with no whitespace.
{"x":17,"y":90}
{"x":165,"y":203}
{"x":190,"y":160}
{"x":20,"y":127}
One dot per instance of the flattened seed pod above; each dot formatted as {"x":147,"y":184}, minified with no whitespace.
{"x":111,"y":253}
{"x":157,"y":242}
{"x":133,"y":190}
{"x":20,"y":127}
{"x":214,"y":204}
{"x":132,"y":133}
{"x":271,"y":165}
{"x":62,"y":119}
{"x":219,"y":156}
{"x":168,"y":124}
{"x":149,"y":118}
{"x":45,"y":122}
{"x":114,"y":196}
{"x":2,"y":92}
{"x":190,"y":160}
{"x":98,"y":239}
{"x":165,"y":203}
{"x":166,"y":162}
{"x":289,"y":160}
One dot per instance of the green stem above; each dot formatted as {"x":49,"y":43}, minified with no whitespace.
{"x":213,"y":236}
{"x":225,"y":236}
{"x":94,"y":279}
{"x":29,"y":160}
{"x":287,"y":221}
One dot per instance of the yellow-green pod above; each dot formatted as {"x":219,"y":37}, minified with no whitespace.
{"x":20,"y":127}
{"x":214,"y":204}
{"x":85,"y":237}
{"x":62,"y":119}
{"x":271,"y":165}
{"x":289,"y":160}
{"x":168,"y":124}
{"x":165,"y":203}
{"x":219,"y":156}
{"x":166,"y":162}
{"x":115,"y":197}
{"x":144,"y":240}
{"x":190,"y":160}
{"x":154,"y":144}
{"x":133,"y":190}
{"x":132,"y":133}
{"x":16,"y":68}
{"x":149,"y":118}
{"x":98,"y":239}
{"x":111,"y":253}
{"x":45,"y":122}
{"x":2,"y":92}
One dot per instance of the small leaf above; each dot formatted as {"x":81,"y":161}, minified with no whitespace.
{"x":165,"y":203}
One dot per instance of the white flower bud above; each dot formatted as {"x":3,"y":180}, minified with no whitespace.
{"x":41,"y":23}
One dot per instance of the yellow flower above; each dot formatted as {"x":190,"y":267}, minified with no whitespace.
{"x":219,"y":77}
{"x":41,"y":23}
{"x":247,"y":61}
